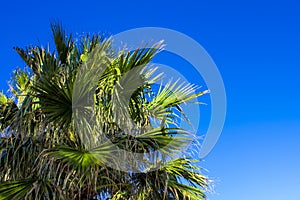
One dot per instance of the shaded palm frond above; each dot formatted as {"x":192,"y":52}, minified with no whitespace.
{"x":8,"y":112}
{"x":64,"y":44}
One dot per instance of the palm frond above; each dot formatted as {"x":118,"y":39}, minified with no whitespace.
{"x":64,"y":44}
{"x":15,"y":189}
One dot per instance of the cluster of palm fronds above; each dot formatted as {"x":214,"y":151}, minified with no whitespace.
{"x":75,"y":112}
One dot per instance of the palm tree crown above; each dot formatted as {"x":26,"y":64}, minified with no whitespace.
{"x":85,"y":122}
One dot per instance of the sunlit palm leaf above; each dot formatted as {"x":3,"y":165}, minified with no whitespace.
{"x":15,"y":189}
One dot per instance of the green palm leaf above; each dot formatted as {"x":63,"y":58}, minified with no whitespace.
{"x":15,"y":189}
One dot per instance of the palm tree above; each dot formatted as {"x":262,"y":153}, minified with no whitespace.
{"x":62,"y":129}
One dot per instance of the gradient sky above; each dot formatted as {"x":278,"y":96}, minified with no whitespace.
{"x":256,"y":46}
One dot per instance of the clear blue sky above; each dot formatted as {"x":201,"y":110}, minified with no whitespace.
{"x":256,"y":46}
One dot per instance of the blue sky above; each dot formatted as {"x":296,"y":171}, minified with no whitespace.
{"x":256,"y":46}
